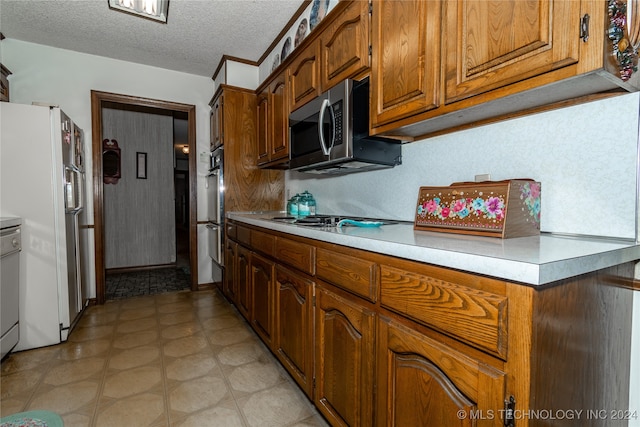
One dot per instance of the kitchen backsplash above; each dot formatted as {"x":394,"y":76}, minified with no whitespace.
{"x":585,"y":156}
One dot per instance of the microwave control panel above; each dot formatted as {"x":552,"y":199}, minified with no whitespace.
{"x":338,"y":117}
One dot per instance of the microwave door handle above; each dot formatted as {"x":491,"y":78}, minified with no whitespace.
{"x":333,"y":127}
{"x":325,"y":104}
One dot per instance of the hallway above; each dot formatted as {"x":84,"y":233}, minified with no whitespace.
{"x":175,"y":359}
{"x":129,"y":284}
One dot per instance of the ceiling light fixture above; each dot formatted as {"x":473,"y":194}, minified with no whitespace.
{"x":156,"y":10}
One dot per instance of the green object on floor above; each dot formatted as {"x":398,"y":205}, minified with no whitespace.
{"x":32,"y":419}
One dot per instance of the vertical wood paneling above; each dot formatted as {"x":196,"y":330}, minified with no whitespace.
{"x":247,"y":187}
{"x":139,"y":214}
{"x":582,"y":329}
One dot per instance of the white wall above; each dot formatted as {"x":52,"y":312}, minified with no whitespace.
{"x":241,"y":75}
{"x":66,"y":78}
{"x":585,"y":157}
{"x":634,"y":383}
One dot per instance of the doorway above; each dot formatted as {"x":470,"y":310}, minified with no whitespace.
{"x":98,"y":101}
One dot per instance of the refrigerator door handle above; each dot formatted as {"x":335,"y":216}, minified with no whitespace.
{"x":79,"y":187}
{"x":73,"y":199}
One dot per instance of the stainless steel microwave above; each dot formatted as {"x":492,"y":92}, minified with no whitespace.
{"x":330,"y":134}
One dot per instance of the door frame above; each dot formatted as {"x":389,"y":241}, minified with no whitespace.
{"x":97,"y":100}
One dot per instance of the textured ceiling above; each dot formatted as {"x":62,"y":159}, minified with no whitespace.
{"x":193,"y":41}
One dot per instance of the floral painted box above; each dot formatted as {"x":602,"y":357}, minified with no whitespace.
{"x":502,"y":209}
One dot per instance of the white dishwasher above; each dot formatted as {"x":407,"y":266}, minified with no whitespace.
{"x":10,"y":246}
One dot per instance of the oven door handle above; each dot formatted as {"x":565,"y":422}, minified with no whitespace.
{"x":212,"y":173}
{"x":326,"y":105}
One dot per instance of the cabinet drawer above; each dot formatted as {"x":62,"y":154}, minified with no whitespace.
{"x":475,"y":316}
{"x":296,"y":254}
{"x":263,"y":242}
{"x":243,"y":235}
{"x":231,"y":231}
{"x":350,"y":273}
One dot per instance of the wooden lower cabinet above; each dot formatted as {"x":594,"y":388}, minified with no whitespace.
{"x":344,"y":365}
{"x":242,"y":278}
{"x":293,"y":341}
{"x":262,"y":284}
{"x":229,"y":282}
{"x":375,"y":340}
{"x":422,"y":382}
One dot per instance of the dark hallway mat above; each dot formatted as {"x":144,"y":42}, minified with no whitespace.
{"x":147,"y":282}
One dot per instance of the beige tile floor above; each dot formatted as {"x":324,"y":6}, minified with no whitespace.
{"x":178,"y":359}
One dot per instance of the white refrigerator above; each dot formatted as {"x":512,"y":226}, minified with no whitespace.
{"x":42,"y":181}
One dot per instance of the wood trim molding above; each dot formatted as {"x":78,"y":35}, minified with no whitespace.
{"x":226,"y":58}
{"x":97,"y":100}
{"x":286,"y":28}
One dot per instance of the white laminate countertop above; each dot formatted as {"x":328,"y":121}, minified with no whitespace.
{"x":536,"y":260}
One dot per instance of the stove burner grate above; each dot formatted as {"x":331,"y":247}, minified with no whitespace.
{"x":328,"y":220}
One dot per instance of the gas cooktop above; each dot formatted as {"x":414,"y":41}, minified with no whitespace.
{"x":332,"y":220}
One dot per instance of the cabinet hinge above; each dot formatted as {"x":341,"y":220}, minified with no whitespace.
{"x":370,"y":50}
{"x":313,"y":302}
{"x":509,"y":408}
{"x":584,"y":27}
{"x":370,"y":8}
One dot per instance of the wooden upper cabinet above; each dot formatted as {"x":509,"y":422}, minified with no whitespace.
{"x":217,"y":121}
{"x":420,"y":380}
{"x":406,"y":67}
{"x":273,"y":122}
{"x":279,"y":118}
{"x":262,"y":129}
{"x":490,"y":44}
{"x":304,"y":76}
{"x":344,"y":45}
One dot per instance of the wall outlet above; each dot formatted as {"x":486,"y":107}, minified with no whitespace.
{"x":483,"y":177}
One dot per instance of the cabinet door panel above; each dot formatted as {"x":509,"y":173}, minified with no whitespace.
{"x":345,"y":45}
{"x":243,"y":286}
{"x":229,"y":270}
{"x":216,"y":122}
{"x":490,"y":44}
{"x":279,"y":119}
{"x":294,"y":342}
{"x":405,"y":71}
{"x":262,"y":271}
{"x":304,"y":80}
{"x":262,"y":138}
{"x":344,"y":360}
{"x":423,"y":382}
